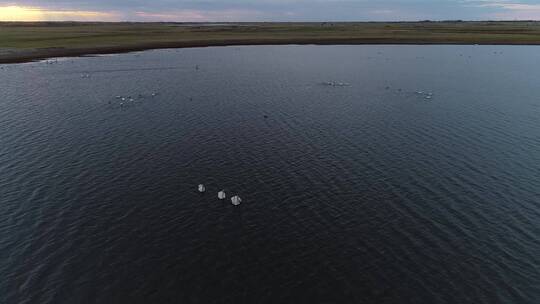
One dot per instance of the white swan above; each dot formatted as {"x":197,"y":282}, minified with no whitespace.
{"x":236,"y":200}
{"x":221,"y":195}
{"x":201,"y":188}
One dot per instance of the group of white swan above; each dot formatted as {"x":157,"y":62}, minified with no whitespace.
{"x":235,"y":200}
{"x":335,"y":84}
{"x":123,"y":100}
{"x":427,"y":95}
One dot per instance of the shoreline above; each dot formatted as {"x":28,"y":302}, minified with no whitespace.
{"x":34,"y":41}
{"x":33,"y":55}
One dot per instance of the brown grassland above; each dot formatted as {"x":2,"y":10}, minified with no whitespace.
{"x":27,"y":41}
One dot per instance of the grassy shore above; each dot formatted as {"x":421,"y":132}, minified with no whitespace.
{"x":20,"y":42}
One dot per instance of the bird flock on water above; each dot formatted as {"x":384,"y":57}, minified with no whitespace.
{"x":235,"y":200}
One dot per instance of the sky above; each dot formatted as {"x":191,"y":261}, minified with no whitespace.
{"x":267,"y":10}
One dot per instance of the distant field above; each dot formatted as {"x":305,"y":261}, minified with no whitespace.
{"x":21,"y":42}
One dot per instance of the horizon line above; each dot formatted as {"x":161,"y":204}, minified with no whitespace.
{"x":233,"y":22}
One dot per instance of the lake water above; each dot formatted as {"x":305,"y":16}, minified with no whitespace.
{"x":418,"y":182}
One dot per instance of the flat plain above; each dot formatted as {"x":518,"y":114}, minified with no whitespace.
{"x":27,"y":41}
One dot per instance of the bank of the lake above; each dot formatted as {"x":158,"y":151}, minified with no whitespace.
{"x":23,"y":42}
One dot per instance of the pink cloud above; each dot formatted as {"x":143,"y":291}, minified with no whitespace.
{"x":512,"y":10}
{"x":199,"y":15}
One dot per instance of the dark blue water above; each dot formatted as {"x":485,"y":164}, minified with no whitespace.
{"x":367,"y":193}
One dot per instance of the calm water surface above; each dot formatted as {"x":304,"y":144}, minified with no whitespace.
{"x":367,"y":193}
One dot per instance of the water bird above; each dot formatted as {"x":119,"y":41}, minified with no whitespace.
{"x":265,"y":116}
{"x":201,"y":188}
{"x":221,"y":195}
{"x":236,"y":200}
{"x":335,"y":84}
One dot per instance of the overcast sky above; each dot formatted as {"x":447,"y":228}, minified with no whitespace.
{"x":268,"y":10}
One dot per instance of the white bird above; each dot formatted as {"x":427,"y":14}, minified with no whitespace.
{"x":221,"y":195}
{"x":236,"y":200}
{"x":201,"y":188}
